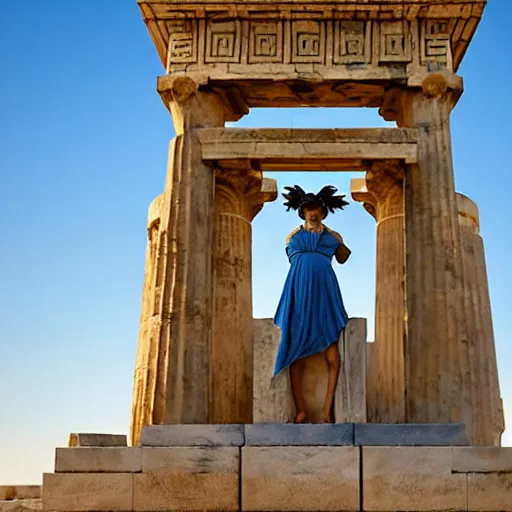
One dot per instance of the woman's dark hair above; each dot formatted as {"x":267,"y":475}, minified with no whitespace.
{"x":297,"y":199}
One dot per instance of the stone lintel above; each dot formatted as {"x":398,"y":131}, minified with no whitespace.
{"x":267,"y":434}
{"x":193,"y":435}
{"x":375,"y":434}
{"x":282,"y":149}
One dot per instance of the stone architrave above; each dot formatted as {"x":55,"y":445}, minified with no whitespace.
{"x":172,"y":381}
{"x":436,"y":357}
{"x":381,"y":193}
{"x":488,"y":421}
{"x":239,"y":195}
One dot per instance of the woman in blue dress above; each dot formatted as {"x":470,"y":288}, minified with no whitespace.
{"x":311,"y":314}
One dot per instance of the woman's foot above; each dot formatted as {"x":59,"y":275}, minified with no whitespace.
{"x":300,"y":418}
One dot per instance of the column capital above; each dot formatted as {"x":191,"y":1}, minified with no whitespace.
{"x":381,"y":191}
{"x":243,"y":185}
{"x":430,"y":85}
{"x":192,"y":106}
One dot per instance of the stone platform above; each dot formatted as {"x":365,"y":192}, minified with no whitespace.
{"x":344,"y":467}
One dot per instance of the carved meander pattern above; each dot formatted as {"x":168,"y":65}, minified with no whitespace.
{"x":308,"y":41}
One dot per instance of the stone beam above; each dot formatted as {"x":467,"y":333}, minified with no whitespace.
{"x":308,"y":150}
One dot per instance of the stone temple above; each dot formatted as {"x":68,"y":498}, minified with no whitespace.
{"x":418,"y":413}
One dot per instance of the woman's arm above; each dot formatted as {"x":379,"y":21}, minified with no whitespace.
{"x":342,"y":252}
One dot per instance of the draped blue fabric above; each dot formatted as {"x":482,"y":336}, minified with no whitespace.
{"x":310,"y":314}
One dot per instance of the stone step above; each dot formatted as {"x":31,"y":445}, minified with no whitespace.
{"x":289,"y":434}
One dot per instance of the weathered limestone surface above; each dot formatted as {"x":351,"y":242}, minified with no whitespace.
{"x":430,"y":434}
{"x":408,"y":478}
{"x":341,"y":434}
{"x":173,"y":366}
{"x":436,"y":360}
{"x":239,"y":196}
{"x":188,"y":479}
{"x":21,"y":505}
{"x":19,"y":492}
{"x":489,"y":492}
{"x":98,"y":460}
{"x":381,"y":193}
{"x":300,"y":478}
{"x":484,"y":389}
{"x":482,"y":460}
{"x":193,"y":435}
{"x":350,"y":396}
{"x":273,"y":401}
{"x":76,"y":440}
{"x":283,"y":149}
{"x":87,"y":491}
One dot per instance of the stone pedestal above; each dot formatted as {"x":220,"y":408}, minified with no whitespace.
{"x":381,"y":192}
{"x":436,"y":351}
{"x":239,"y":195}
{"x":173,"y":366}
{"x":273,"y":401}
{"x":488,"y":421}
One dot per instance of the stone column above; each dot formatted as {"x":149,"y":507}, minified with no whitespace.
{"x":436,"y":350}
{"x":173,"y":366}
{"x":382,"y":195}
{"x":239,"y":195}
{"x":488,"y":421}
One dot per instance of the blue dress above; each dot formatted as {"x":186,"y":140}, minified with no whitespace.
{"x":310,"y":314}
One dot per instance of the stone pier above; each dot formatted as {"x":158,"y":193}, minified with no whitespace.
{"x":239,"y":195}
{"x":173,"y":364}
{"x":381,"y":192}
{"x":484,"y":389}
{"x":436,"y":352}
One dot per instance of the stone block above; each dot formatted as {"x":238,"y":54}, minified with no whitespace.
{"x":482,"y":459}
{"x":188,"y":478}
{"x":373,"y":434}
{"x":20,"y":492}
{"x":28,"y":505}
{"x":76,"y":440}
{"x":273,"y":402}
{"x":193,"y":435}
{"x":73,"y":492}
{"x":300,"y":478}
{"x":489,"y":492}
{"x":261,"y":434}
{"x":98,"y":460}
{"x":411,"y":478}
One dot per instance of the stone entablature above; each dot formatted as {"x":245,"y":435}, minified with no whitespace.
{"x":206,"y":37}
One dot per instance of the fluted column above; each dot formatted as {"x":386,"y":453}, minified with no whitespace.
{"x":488,"y":422}
{"x":239,"y":196}
{"x":436,"y":354}
{"x":173,"y":366}
{"x":382,"y":195}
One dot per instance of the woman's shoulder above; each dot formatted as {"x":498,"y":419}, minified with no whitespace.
{"x":334,"y":234}
{"x":292,"y":234}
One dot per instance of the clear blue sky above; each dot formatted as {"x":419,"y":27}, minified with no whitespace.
{"x":83,"y":152}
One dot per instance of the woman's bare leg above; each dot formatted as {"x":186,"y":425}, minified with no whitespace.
{"x":332,"y":358}
{"x":296,"y":371}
